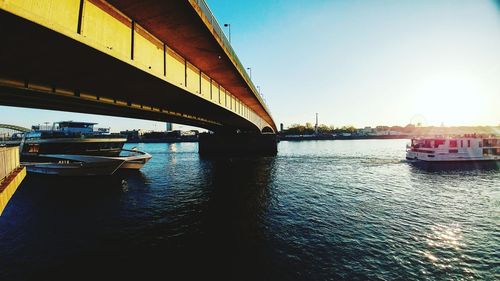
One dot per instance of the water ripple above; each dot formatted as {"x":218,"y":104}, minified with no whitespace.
{"x":320,"y":210}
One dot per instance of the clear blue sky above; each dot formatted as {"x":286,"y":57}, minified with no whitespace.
{"x":361,"y":63}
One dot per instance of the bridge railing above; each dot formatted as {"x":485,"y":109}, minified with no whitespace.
{"x":9,"y":161}
{"x":217,"y":28}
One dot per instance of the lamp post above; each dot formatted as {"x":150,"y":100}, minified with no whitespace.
{"x":250,"y":69}
{"x":228,"y":25}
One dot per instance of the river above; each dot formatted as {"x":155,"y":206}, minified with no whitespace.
{"x":319,"y":210}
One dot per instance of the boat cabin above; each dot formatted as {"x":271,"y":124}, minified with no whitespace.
{"x":468,"y":146}
{"x":69,"y":137}
{"x":74,"y":127}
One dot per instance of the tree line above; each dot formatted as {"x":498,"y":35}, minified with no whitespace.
{"x":410,"y":129}
{"x":308,"y":129}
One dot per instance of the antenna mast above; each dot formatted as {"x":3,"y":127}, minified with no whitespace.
{"x":316,"y":126}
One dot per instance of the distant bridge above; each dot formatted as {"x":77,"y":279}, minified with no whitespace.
{"x":14,"y":128}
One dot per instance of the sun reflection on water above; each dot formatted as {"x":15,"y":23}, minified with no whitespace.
{"x":445,"y":248}
{"x":445,"y":237}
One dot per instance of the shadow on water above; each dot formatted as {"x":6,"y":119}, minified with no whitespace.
{"x":238,"y":201}
{"x":132,"y":225}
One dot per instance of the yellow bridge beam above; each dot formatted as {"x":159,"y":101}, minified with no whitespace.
{"x":102,"y":27}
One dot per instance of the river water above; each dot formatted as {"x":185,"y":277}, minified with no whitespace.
{"x":320,"y":210}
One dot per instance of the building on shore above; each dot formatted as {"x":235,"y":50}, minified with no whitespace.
{"x":366,"y":131}
{"x":133,"y":134}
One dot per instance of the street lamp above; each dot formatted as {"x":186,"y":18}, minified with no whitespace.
{"x":250,"y":69}
{"x":229,"y":27}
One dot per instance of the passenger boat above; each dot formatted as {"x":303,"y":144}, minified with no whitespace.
{"x":75,"y":148}
{"x":467,"y":148}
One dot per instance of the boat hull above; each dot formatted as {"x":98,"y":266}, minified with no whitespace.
{"x":86,"y":165}
{"x":412,"y":160}
{"x":455,"y":165}
{"x":133,"y":165}
{"x":437,"y":158}
{"x":135,"y":160}
{"x":71,"y":170}
{"x":75,"y":165}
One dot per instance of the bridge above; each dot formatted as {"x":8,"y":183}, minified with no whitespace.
{"x":7,"y":132}
{"x":14,"y":128}
{"x":155,"y":60}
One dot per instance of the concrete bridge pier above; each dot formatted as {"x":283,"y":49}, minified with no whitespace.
{"x":238,"y":144}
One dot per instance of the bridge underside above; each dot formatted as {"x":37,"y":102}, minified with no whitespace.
{"x":40,"y":99}
{"x":40,"y":68}
{"x":178,"y":25}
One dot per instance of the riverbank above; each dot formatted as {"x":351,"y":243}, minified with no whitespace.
{"x":329,"y":137}
{"x":281,"y":138}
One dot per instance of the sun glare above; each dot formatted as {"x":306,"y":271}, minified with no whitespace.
{"x":451,"y":101}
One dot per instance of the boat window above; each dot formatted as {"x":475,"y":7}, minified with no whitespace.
{"x":33,"y":135}
{"x":468,"y":143}
{"x":453,"y":143}
{"x":461,"y":143}
{"x":453,"y":150}
{"x":493,"y":142}
{"x":427,"y":144}
{"x":437,"y":143}
{"x":491,"y":151}
{"x":33,"y":148}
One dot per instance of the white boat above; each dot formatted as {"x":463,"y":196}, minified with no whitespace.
{"x":75,"y":165}
{"x":75,"y":148}
{"x":468,"y":148}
